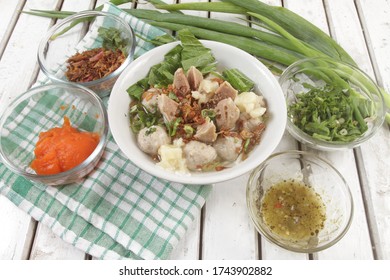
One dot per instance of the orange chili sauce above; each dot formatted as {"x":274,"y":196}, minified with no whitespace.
{"x":62,"y":148}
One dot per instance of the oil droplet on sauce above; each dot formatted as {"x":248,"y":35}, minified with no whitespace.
{"x":293,"y":210}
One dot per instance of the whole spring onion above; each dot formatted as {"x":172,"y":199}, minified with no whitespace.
{"x":287,"y":24}
{"x":220,"y":7}
{"x":211,"y":24}
{"x":238,"y":80}
{"x":252,"y":46}
{"x":291,"y":22}
{"x":292,"y":37}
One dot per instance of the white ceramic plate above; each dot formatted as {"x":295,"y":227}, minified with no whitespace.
{"x":227,"y":57}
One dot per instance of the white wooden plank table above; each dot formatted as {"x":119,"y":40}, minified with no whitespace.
{"x":223,"y":229}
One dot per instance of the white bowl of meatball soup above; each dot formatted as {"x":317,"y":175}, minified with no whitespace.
{"x":203,"y":127}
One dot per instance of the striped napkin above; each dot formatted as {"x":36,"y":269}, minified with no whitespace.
{"x":118,"y":211}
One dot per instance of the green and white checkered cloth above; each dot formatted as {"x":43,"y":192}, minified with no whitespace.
{"x":118,"y":211}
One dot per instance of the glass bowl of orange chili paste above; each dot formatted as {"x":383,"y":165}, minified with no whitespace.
{"x":54,"y":134}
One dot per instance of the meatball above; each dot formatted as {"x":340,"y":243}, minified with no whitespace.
{"x":249,"y":123}
{"x":149,"y":99}
{"x":206,"y":132}
{"x":151,"y":138}
{"x":224,"y":91}
{"x":194,"y":77}
{"x":228,"y":148}
{"x":197,"y":154}
{"x":227,"y":114}
{"x":167,"y":107}
{"x":180,"y":82}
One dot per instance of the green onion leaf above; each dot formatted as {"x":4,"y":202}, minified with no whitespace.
{"x":172,"y":126}
{"x":208,"y":113}
{"x":330,"y":113}
{"x":188,"y":130}
{"x":238,"y":80}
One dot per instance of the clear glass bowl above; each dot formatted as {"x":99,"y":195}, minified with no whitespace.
{"x":323,"y":178}
{"x":319,"y":72}
{"x":40,"y":109}
{"x":59,"y":44}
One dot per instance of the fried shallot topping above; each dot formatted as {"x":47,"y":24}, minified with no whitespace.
{"x":93,"y":64}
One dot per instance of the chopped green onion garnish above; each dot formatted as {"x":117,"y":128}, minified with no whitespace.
{"x":208,"y":113}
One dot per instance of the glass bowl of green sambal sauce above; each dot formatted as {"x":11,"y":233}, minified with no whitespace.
{"x":299,"y":202}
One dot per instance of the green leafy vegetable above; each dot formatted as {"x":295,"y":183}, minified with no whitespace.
{"x":136,"y":90}
{"x":140,"y":118}
{"x":190,"y":53}
{"x":173,"y":96}
{"x":161,"y":74}
{"x":112,"y":39}
{"x":195,"y":54}
{"x":163,"y":39}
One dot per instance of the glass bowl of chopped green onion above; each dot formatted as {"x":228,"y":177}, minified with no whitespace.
{"x":330,"y":104}
{"x":299,"y":202}
{"x":94,"y":59}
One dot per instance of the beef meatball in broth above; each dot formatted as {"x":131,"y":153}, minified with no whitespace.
{"x":228,"y":148}
{"x":194,"y":77}
{"x":150,"y":139}
{"x":149,"y":99}
{"x":197,"y":154}
{"x":206,"y":132}
{"x":227,"y":114}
